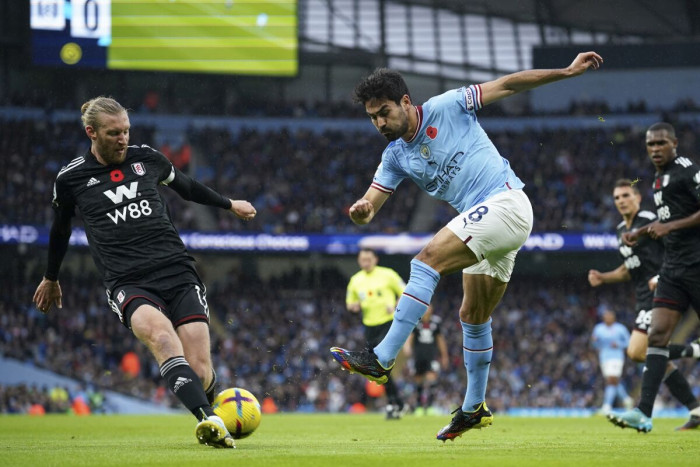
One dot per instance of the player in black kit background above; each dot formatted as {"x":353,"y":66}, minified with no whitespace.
{"x":428,"y":348}
{"x":641,"y":264}
{"x":151,"y":281}
{"x":677,"y":200}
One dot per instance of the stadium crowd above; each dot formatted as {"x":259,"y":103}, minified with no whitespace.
{"x":303,"y":181}
{"x":276,"y":344}
{"x":210,"y":101}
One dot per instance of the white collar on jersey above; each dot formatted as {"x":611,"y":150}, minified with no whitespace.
{"x":419,"y":117}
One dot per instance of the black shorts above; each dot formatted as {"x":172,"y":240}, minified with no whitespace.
{"x":643,"y":321}
{"x":375,"y":334}
{"x":678,"y":289}
{"x":423,"y":366}
{"x":175,"y":290}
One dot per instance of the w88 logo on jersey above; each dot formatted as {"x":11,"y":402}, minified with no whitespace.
{"x":133,"y":210}
{"x":663,"y":212}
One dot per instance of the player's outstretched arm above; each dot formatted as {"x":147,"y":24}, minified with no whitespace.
{"x":658,"y":230}
{"x":631,"y":238}
{"x":190,"y":189}
{"x":48,"y":292}
{"x":364,"y":209}
{"x":243,"y":209}
{"x":619,"y":274}
{"x":508,"y":85}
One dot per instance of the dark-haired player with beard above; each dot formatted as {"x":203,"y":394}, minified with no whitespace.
{"x":441,"y":147}
{"x":151,"y":281}
{"x":677,"y":200}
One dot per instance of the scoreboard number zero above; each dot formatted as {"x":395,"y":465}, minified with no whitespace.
{"x":91,"y":18}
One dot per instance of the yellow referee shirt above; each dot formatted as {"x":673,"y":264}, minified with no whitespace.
{"x":377,"y":292}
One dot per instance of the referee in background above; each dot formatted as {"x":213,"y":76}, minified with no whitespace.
{"x":374,"y":291}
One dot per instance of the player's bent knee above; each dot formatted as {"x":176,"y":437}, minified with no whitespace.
{"x":428,"y":257}
{"x":636,"y":355}
{"x":474,"y":312}
{"x":475,"y":316}
{"x":637,"y":351}
{"x":659,"y":337}
{"x":163,"y":340}
{"x":201,"y":368}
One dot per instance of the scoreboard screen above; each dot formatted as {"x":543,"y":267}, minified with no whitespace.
{"x":252,"y":37}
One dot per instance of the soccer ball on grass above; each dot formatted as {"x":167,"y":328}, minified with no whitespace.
{"x":240,"y":411}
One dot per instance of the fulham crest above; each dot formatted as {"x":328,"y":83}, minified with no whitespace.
{"x":138,"y":168}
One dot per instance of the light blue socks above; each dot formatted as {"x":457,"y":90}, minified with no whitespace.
{"x":609,"y":395}
{"x":477,"y":347}
{"x":621,"y":392}
{"x":411,"y":307}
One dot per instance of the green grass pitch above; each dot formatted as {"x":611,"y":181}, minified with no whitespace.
{"x":341,"y":440}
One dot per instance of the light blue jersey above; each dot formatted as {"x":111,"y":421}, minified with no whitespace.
{"x":610,"y":341}
{"x":450,"y":157}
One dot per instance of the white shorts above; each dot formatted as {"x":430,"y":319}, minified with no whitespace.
{"x":612,"y":368}
{"x":494,"y":231}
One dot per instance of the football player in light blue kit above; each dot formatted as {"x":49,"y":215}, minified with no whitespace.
{"x":443,"y":149}
{"x":611,"y":339}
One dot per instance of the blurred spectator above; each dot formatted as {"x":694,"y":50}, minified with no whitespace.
{"x":304,"y":182}
{"x":151,"y":100}
{"x":130,"y":364}
{"x":180,"y":157}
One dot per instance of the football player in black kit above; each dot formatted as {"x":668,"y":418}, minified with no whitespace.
{"x":428,"y":348}
{"x":641,"y":264}
{"x":151,"y":281}
{"x":677,"y":200}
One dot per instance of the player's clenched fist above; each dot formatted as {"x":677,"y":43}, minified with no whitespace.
{"x":362,"y":211}
{"x":594,"y":278}
{"x":243,"y":209}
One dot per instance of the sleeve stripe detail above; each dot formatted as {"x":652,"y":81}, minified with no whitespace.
{"x":73,"y":164}
{"x":170,"y":178}
{"x":383,"y":189}
{"x":478,"y":102}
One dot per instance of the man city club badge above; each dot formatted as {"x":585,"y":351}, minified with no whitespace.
{"x":425,"y":151}
{"x":138,"y":168}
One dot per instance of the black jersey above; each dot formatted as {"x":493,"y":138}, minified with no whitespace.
{"x":643,"y":260}
{"x":425,"y":338}
{"x":126,"y":221}
{"x":677,"y":195}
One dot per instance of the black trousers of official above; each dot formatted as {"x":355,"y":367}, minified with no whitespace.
{"x":374,"y":335}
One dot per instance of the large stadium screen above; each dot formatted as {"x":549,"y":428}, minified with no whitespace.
{"x":254,"y":37}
